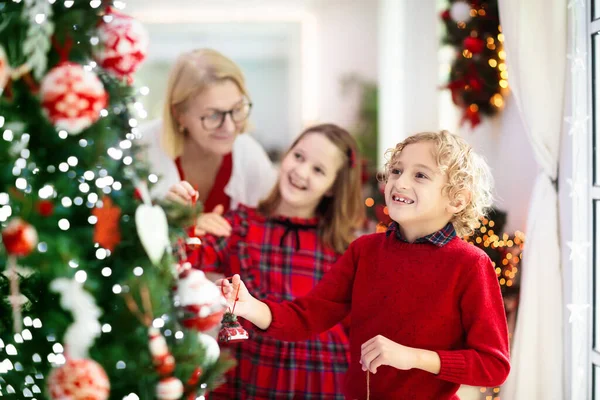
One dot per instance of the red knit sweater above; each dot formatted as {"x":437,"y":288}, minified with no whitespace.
{"x":446,"y":299}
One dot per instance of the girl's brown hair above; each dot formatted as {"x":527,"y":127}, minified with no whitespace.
{"x":341,"y":213}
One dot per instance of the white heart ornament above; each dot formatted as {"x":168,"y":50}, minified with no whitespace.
{"x":153,"y":231}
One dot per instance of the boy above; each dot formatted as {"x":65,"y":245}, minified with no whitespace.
{"x":425,"y":306}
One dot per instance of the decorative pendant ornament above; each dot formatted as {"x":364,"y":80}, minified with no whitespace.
{"x":153,"y":231}
{"x":72,"y":97}
{"x":106,"y":231}
{"x":201,"y":303}
{"x":123,"y":44}
{"x":163,"y":360}
{"x":79,"y":379}
{"x":19,"y":238}
{"x":231,"y":330}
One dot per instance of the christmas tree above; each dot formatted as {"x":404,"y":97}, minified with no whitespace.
{"x":478,"y":75}
{"x":88,"y":305}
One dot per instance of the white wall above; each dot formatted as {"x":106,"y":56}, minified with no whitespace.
{"x":338,"y":37}
{"x":504,"y":144}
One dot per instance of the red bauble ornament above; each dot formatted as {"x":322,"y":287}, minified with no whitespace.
{"x":169,"y":389}
{"x":445,"y":15}
{"x":19,"y":237}
{"x":123,"y":44}
{"x":45,"y":208}
{"x":201,"y":303}
{"x":231,"y":330}
{"x":72,"y":97}
{"x":474,"y":45}
{"x":81,"y":379}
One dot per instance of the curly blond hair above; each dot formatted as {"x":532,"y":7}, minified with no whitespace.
{"x":467,"y":172}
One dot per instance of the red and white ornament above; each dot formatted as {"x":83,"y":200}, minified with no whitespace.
{"x":163,"y":360}
{"x":19,"y":238}
{"x":79,"y":379}
{"x":4,"y":69}
{"x":169,"y":389}
{"x":231,"y":331}
{"x":72,"y":97}
{"x":123,"y":44}
{"x":201,"y":302}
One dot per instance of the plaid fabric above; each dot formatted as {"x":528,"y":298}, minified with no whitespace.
{"x":278,"y":258}
{"x":439,"y":238}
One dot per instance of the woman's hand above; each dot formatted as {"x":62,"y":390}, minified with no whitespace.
{"x":182,"y":193}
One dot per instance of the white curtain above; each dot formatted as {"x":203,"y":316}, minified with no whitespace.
{"x":535,"y":43}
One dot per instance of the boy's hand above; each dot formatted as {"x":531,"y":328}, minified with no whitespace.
{"x":182,"y":193}
{"x":230,"y":290}
{"x":213,"y":223}
{"x":380,"y":351}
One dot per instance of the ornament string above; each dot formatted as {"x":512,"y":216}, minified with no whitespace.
{"x":64,"y":50}
{"x":15,"y":294}
{"x":368,"y":386}
{"x":144,"y":317}
{"x":231,"y":310}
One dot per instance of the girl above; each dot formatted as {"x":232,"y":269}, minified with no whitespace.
{"x":282,"y":249}
{"x":199,"y":142}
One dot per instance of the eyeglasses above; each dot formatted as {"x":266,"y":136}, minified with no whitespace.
{"x":216,"y":119}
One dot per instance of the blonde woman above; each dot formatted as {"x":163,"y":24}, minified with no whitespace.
{"x":199,"y":148}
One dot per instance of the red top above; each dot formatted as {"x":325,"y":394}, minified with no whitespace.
{"x":279,"y":258}
{"x":217,"y":194}
{"x":445,"y":299}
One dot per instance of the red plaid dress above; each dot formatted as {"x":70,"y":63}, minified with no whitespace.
{"x":279,"y":258}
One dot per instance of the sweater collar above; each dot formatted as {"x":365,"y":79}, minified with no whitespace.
{"x":439,"y":238}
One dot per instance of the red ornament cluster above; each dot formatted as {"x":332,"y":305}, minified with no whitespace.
{"x":123,"y":44}
{"x":478,"y":74}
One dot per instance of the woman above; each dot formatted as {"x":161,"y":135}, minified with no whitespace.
{"x":200,"y":140}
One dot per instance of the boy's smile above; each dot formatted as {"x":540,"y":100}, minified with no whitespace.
{"x":414,"y":192}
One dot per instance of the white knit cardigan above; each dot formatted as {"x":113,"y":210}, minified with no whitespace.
{"x":252,"y":176}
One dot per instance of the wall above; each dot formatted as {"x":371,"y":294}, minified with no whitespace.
{"x":333,"y":38}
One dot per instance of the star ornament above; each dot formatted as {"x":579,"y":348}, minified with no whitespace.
{"x":577,"y":188}
{"x":578,"y":60}
{"x":578,"y":123}
{"x":578,"y":250}
{"x":578,"y":312}
{"x":106,"y":230}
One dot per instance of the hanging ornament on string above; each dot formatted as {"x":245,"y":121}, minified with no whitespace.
{"x":123,"y":44}
{"x":163,"y":360}
{"x":79,"y":379}
{"x":152,"y":226}
{"x":19,"y":238}
{"x":201,"y":303}
{"x":168,"y":386}
{"x":231,"y":330}
{"x":71,"y":96}
{"x":106,"y":230}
